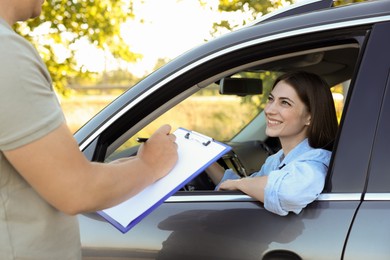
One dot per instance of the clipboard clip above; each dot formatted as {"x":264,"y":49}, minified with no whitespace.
{"x":205,"y":140}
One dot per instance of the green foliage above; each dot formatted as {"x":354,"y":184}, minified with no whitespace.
{"x":254,"y":7}
{"x":345,"y":2}
{"x":63,"y":22}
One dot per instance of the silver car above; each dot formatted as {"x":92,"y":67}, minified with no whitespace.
{"x":349,"y":47}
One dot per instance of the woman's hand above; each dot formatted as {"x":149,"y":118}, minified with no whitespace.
{"x":230,"y":185}
{"x":253,"y":186}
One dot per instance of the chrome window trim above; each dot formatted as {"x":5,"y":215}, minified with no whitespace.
{"x":209,"y":198}
{"x":297,"y":32}
{"x":339,"y":197}
{"x":377,"y":196}
{"x":246,"y":198}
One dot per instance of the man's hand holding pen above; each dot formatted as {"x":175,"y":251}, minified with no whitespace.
{"x":160,"y":151}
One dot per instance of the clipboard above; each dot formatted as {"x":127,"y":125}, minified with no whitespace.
{"x":195,"y":153}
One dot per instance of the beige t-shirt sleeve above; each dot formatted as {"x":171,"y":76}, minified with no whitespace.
{"x":29,"y":108}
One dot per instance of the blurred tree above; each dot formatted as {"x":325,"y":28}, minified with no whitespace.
{"x":63,"y":23}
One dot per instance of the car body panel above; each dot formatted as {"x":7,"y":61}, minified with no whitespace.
{"x":243,"y":231}
{"x":370,"y":236}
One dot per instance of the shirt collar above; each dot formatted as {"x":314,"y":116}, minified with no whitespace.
{"x":301,"y":148}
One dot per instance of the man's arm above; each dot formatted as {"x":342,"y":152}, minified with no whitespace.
{"x":59,"y":172}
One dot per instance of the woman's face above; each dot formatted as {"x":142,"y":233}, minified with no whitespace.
{"x":287,"y":116}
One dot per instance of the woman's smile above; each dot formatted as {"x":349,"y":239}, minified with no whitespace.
{"x":273,"y":122}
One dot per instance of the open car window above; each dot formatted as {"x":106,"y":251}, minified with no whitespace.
{"x":220,"y":116}
{"x":235,"y":116}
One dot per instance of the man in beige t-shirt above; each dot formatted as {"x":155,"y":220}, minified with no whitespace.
{"x":30,"y":228}
{"x":44,"y":178}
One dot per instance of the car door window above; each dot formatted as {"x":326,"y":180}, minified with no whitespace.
{"x":206,"y":112}
{"x":237,"y":119}
{"x":211,"y":113}
{"x":222,"y":116}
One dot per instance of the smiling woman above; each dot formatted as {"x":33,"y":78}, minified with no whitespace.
{"x":294,"y":176}
{"x":287,"y":116}
{"x":317,"y":120}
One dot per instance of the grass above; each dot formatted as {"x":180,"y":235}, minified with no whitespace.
{"x":206,"y":115}
{"x":78,"y":109}
{"x":203,"y":114}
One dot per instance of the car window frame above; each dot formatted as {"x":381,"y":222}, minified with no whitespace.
{"x":378,"y":184}
{"x":348,"y":172}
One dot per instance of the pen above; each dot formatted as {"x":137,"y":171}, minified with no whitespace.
{"x":142,"y":139}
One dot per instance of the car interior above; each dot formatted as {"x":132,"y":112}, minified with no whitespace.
{"x":229,"y":107}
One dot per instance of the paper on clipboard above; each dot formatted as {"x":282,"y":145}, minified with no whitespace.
{"x":195,"y":153}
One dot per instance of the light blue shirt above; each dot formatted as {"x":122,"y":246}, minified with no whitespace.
{"x":294,"y":181}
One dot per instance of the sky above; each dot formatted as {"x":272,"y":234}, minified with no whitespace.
{"x":169,"y":28}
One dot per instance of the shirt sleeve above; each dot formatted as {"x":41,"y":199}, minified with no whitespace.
{"x":297,"y":184}
{"x":29,"y":106}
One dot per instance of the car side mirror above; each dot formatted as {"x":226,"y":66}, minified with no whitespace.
{"x":240,"y":86}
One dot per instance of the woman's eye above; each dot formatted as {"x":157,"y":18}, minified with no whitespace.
{"x":270,"y":99}
{"x":285,"y":103}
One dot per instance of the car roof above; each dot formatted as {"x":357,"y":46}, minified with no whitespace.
{"x":297,"y":8}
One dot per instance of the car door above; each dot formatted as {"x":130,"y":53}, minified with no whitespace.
{"x":370,"y":232}
{"x":231,"y":225}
